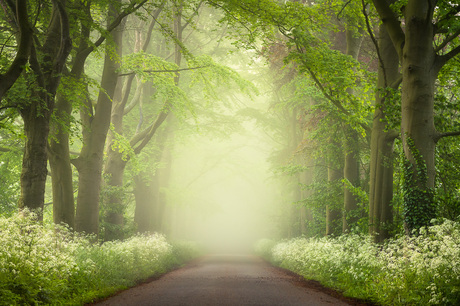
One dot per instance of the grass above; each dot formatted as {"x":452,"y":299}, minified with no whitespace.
{"x":42,"y":265}
{"x":419,"y":270}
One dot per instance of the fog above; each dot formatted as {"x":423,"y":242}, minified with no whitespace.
{"x":225,"y":192}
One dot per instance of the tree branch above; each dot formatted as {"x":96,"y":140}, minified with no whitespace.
{"x":392,"y":24}
{"x":64,"y":48}
{"x":160,"y":71}
{"x":338,"y":104}
{"x":130,"y":9}
{"x":148,"y":133}
{"x":438,"y":136}
{"x":447,"y":40}
{"x":446,"y":57}
{"x":25,"y":42}
{"x":374,"y":41}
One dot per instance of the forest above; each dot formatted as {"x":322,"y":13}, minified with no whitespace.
{"x":136,"y":135}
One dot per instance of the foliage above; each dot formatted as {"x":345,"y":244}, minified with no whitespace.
{"x":11,"y":143}
{"x":418,"y":270}
{"x":418,"y":201}
{"x":44,"y":265}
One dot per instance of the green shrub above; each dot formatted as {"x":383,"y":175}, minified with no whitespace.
{"x":419,"y":270}
{"x":46,"y":265}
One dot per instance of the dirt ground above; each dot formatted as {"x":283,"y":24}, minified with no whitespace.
{"x":229,"y":280}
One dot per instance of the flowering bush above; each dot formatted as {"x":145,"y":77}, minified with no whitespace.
{"x":44,"y":265}
{"x":419,"y":270}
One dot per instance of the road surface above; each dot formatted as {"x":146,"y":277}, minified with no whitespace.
{"x":227,"y":280}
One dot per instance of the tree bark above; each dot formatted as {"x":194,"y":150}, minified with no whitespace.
{"x":420,"y":67}
{"x":59,"y":157}
{"x":115,"y":164}
{"x":417,"y":109}
{"x":382,"y":140}
{"x":61,"y":169}
{"x":59,"y":153}
{"x":351,"y":147}
{"x":333,"y":212}
{"x":47,"y":64}
{"x":146,"y":196}
{"x":89,"y":163}
{"x":334,"y":177}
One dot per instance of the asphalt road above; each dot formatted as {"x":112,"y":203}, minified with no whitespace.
{"x":225,"y":280}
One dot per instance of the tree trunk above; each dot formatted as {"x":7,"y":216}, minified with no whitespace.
{"x":46,"y":64}
{"x":334,"y":177}
{"x":382,"y":140}
{"x":351,"y":147}
{"x":59,"y":155}
{"x":34,"y":163}
{"x":89,"y":163}
{"x":146,"y":197}
{"x":61,"y":169}
{"x":114,"y":167}
{"x":351,"y":173}
{"x":306,"y":180}
{"x":417,"y":110}
{"x":420,"y":67}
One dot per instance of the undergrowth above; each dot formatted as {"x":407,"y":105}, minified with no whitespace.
{"x":45,"y":265}
{"x":420,"y":270}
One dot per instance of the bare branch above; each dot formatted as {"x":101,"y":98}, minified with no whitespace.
{"x":130,"y":9}
{"x":446,"y":57}
{"x":25,"y":42}
{"x":161,"y":71}
{"x":374,"y":41}
{"x":392,"y":24}
{"x":438,"y":136}
{"x":447,"y":40}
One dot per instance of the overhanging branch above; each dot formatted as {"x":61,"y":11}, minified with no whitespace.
{"x":438,"y":136}
{"x":162,"y":71}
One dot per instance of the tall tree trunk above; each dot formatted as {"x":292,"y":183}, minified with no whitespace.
{"x":59,"y":157}
{"x":47,"y":64}
{"x":145,"y":187}
{"x":333,"y":211}
{"x":114,"y":167}
{"x":115,"y":164}
{"x":351,"y":173}
{"x":59,"y":153}
{"x":149,"y":211}
{"x":334,"y":177}
{"x":420,"y":67}
{"x":61,"y":169}
{"x":306,"y":180}
{"x":34,"y":164}
{"x":351,"y":146}
{"x":382,"y":140}
{"x":89,"y":163}
{"x":417,"y":110}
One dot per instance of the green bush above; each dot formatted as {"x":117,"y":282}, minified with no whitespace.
{"x":419,"y":270}
{"x":45,"y":265}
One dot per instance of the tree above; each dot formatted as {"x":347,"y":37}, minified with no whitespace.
{"x":382,"y":140}
{"x":75,"y":92}
{"x":425,"y":45}
{"x":95,"y":128}
{"x":46,"y":53}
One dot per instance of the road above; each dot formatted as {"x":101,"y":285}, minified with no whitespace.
{"x":227,"y":280}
